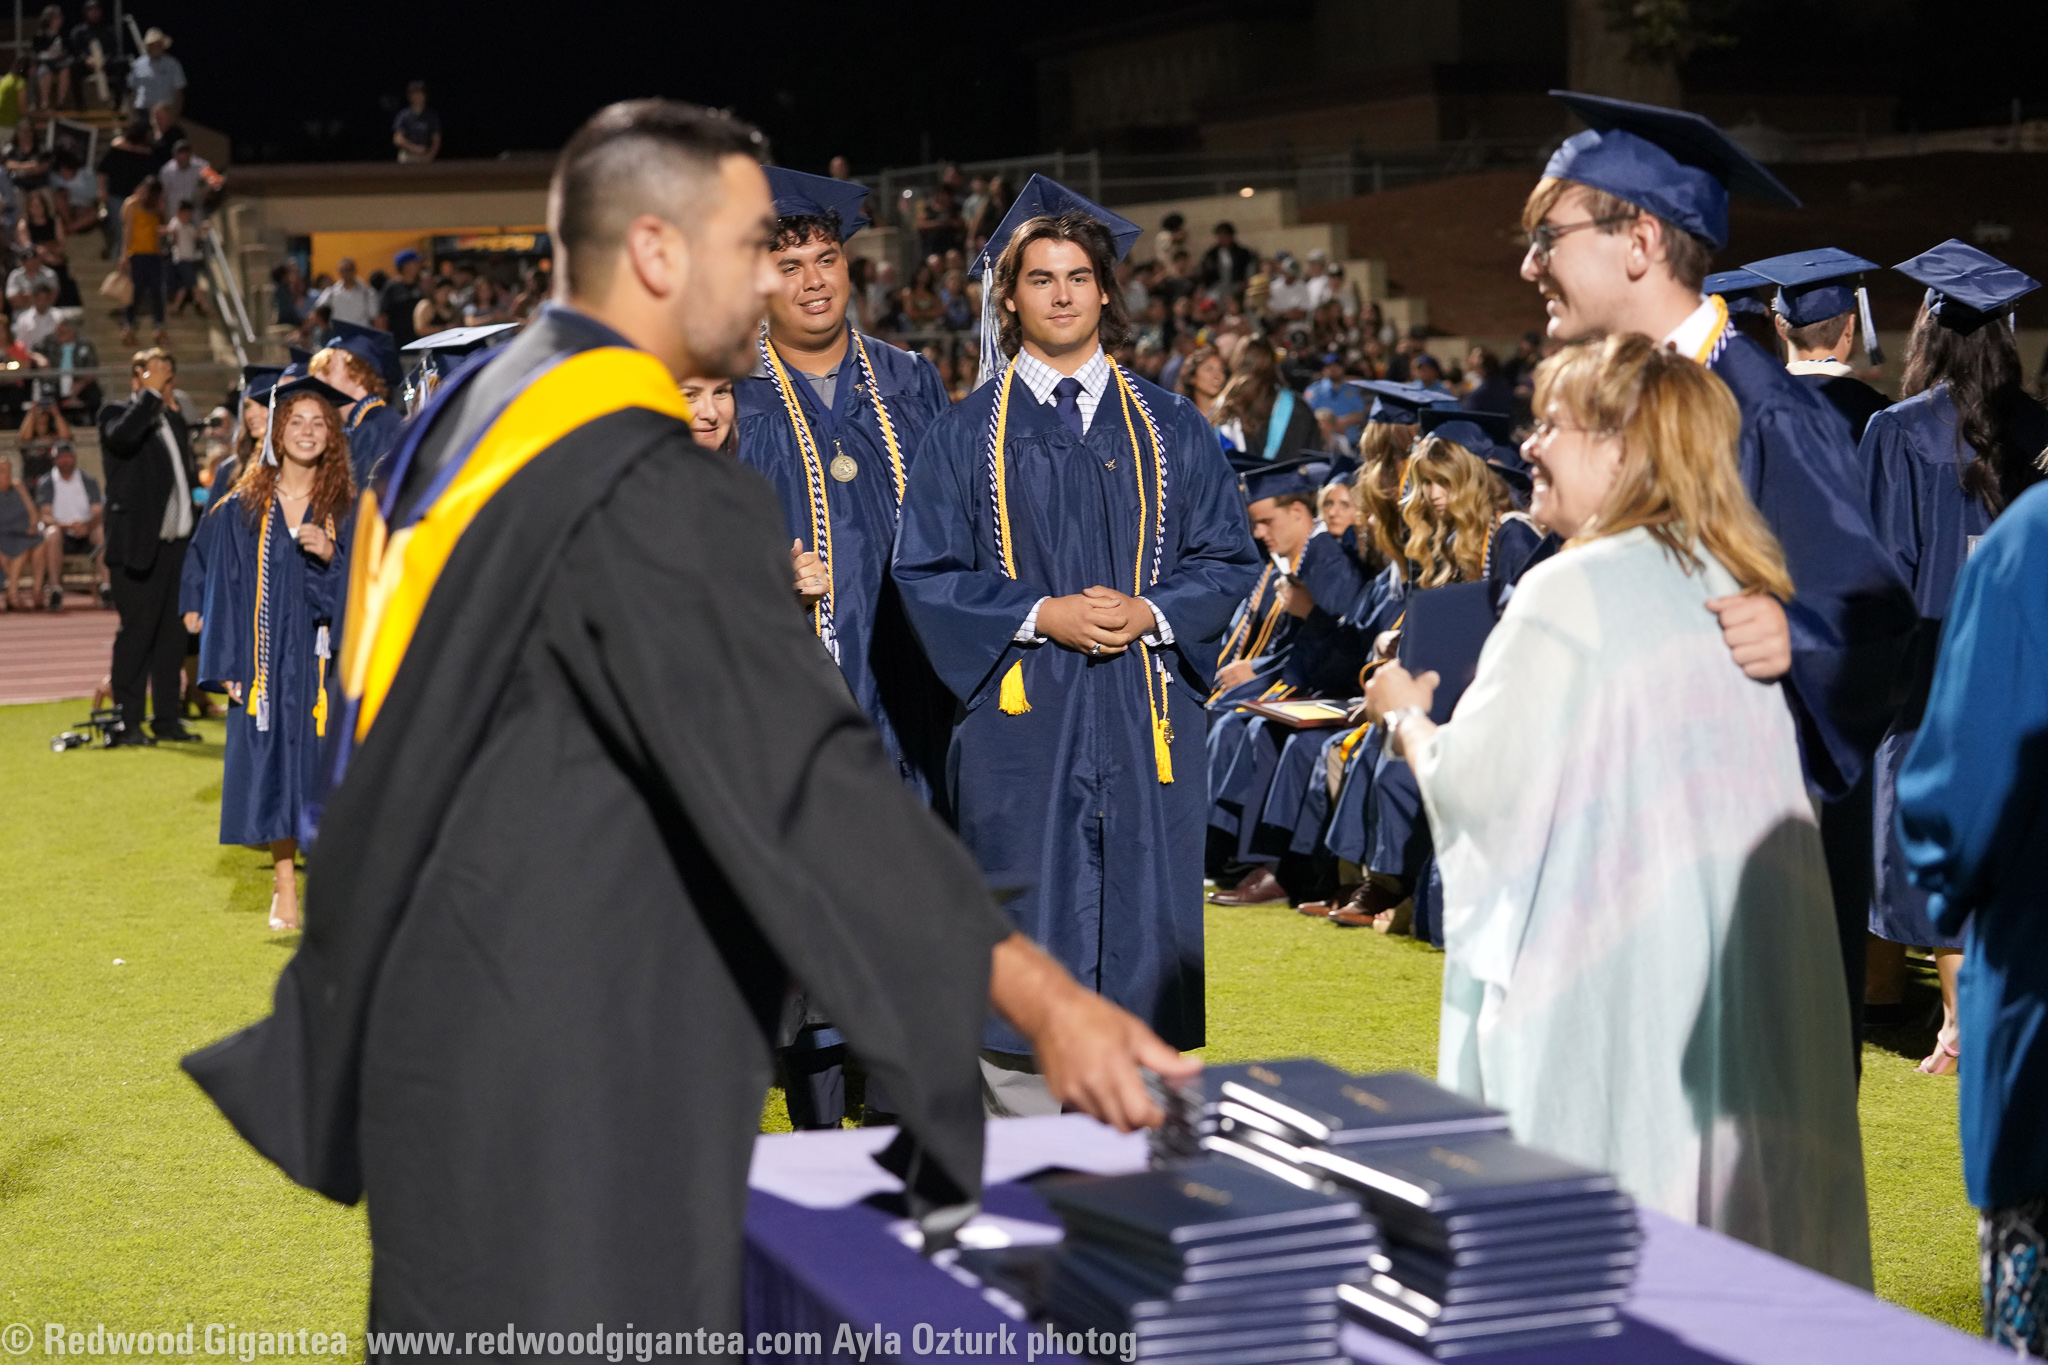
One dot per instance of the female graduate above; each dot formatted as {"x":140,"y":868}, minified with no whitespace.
{"x":276,"y":580}
{"x":1461,"y":528}
{"x":257,"y":381}
{"x":1639,"y":938}
{"x":1942,"y":464}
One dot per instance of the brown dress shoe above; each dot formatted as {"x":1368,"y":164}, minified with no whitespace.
{"x":1261,"y":888}
{"x":1367,"y":903}
{"x":1315,"y":909}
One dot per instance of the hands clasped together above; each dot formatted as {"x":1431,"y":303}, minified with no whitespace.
{"x":1099,"y":622}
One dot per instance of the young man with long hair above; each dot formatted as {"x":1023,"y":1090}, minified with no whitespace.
{"x":1073,"y":547}
{"x":1622,"y":229}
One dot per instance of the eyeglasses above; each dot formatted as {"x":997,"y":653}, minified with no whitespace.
{"x":1543,"y":431}
{"x":1542,"y":239}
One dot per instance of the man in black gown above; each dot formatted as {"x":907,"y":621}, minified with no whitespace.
{"x":605,"y":798}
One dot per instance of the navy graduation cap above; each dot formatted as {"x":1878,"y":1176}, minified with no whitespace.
{"x":301,"y":361}
{"x":1489,"y":435}
{"x":1668,"y":162}
{"x":459,"y":340}
{"x":1041,"y":197}
{"x":1398,"y":402}
{"x":1735,"y":288}
{"x":283,"y":389}
{"x":374,"y":346}
{"x":1279,"y":479}
{"x":258,"y":380}
{"x":1965,"y":286}
{"x":1814,"y":286}
{"x":799,"y":194}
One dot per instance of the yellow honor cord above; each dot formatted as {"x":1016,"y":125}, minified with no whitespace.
{"x":814,"y":482}
{"x":394,"y":573}
{"x":1011,"y":700}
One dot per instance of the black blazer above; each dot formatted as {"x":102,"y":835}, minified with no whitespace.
{"x":139,"y":481}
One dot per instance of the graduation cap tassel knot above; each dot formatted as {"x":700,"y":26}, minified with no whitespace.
{"x":1012,"y":701}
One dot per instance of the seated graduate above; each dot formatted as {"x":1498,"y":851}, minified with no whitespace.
{"x":1973,"y":824}
{"x":1814,"y":309}
{"x":1073,"y":548}
{"x":605,"y":798}
{"x":276,"y":580}
{"x":1280,"y":505}
{"x":362,"y":363}
{"x":1458,"y":509}
{"x":1640,"y":951}
{"x":1943,"y":465}
{"x":833,"y":419}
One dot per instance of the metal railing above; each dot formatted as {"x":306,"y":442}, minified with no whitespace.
{"x":230,"y":307}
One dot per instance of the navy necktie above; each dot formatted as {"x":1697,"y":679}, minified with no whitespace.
{"x":1066,"y":395}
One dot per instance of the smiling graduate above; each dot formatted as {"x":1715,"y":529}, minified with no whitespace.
{"x":1073,"y":548}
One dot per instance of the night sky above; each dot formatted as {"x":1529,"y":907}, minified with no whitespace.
{"x":890,"y":83}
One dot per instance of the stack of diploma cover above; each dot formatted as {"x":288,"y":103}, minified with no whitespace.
{"x":1490,"y":1245}
{"x":1209,"y":1261}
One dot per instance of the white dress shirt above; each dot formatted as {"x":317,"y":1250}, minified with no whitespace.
{"x":178,"y":511}
{"x":1696,"y":334}
{"x":1040,"y":378}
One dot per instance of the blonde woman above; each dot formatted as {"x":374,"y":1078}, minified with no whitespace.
{"x":1640,"y":956}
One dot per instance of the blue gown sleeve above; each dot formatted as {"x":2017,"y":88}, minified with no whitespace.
{"x":1217,"y":561}
{"x":327,"y":584}
{"x":192,"y":577}
{"x":229,"y":599}
{"x":1974,"y":781}
{"x":930,"y":390}
{"x":965,"y":612}
{"x":1888,"y":462}
{"x":1852,"y":621}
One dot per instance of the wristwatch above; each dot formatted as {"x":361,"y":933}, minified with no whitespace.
{"x":1401,"y":713}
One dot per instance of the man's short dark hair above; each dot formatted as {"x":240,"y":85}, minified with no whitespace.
{"x":799,"y":228}
{"x":1226,"y":227}
{"x":181,"y":145}
{"x":1093,"y":238}
{"x":635,"y":157}
{"x":1173,"y":222}
{"x":415,"y":88}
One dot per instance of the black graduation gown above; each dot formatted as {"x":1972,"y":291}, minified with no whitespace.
{"x":615,"y":798}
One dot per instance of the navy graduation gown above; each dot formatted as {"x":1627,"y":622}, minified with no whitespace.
{"x":1260,"y":632}
{"x":374,"y":431}
{"x":1064,"y":801}
{"x":1850,"y":396}
{"x":1973,"y":813}
{"x":192,"y":574}
{"x":878,"y":654}
{"x":1852,"y":623}
{"x":1914,"y":455}
{"x":269,"y":774}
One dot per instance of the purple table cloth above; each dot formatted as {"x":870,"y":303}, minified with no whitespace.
{"x":819,"y":1261}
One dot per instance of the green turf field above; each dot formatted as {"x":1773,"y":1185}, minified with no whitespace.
{"x":129,"y":937}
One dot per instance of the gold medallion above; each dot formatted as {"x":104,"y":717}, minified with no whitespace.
{"x":844,"y":468}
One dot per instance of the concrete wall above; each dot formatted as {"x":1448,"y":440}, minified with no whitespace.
{"x":424,"y":213}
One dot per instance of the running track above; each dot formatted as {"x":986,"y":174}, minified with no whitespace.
{"x":54,"y":656}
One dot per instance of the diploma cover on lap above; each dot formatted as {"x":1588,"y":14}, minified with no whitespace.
{"x":1444,"y":631}
{"x":1301,"y":715}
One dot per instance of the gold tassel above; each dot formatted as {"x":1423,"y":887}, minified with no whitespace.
{"x":320,"y":703}
{"x":1012,"y":702}
{"x":1162,"y":749}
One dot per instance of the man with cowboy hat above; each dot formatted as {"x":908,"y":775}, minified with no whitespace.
{"x":156,"y":76}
